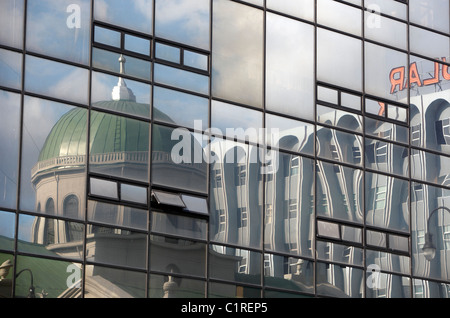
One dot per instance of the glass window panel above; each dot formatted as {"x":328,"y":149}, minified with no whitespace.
{"x":104,"y":188}
{"x":195,"y":204}
{"x":429,"y":289}
{"x":386,"y":130}
{"x":71,"y":20}
{"x":7,"y":231}
{"x":398,"y":243}
{"x":385,"y":30}
{"x":390,"y":286}
{"x":178,"y":159}
{"x":195,"y":60}
{"x":328,"y":95}
{"x":119,"y":146}
{"x":377,"y":239}
{"x":351,"y":101}
{"x":236,"y":193}
{"x":430,"y":167}
{"x":117,"y":215}
{"x":351,"y":283}
{"x":330,"y":230}
{"x":116,"y":247}
{"x":289,"y":134}
{"x":9,"y":147}
{"x":11,"y":23}
{"x":288,"y":273}
{"x":177,"y":256}
{"x":182,"y":79}
{"x":184,"y":21}
{"x":167,"y":198}
{"x":340,"y":146}
{"x":389,"y":262}
{"x":234,"y":264}
{"x":333,"y":252}
{"x":107,"y":36}
{"x":179,"y":108}
{"x":220,"y":290}
{"x":57,"y":80}
{"x":171,"y":224}
{"x":184,"y":288}
{"x":339,"y":192}
{"x":351,"y":234}
{"x":255,"y":2}
{"x":428,"y":43}
{"x":49,"y":278}
{"x":432,"y":14}
{"x":168,"y":52}
{"x":120,"y":95}
{"x":132,"y":193}
{"x":11,"y":69}
{"x":340,"y":59}
{"x":109,"y":61}
{"x":288,"y":218}
{"x":237,"y":70}
{"x":301,"y":9}
{"x":55,"y":147}
{"x":397,"y":113}
{"x":121,"y":283}
{"x":393,"y":8}
{"x":289,"y":67}
{"x":387,"y":202}
{"x":134,"y":15}
{"x":237,"y":122}
{"x":137,"y":44}
{"x":50,"y":237}
{"x":386,"y":157}
{"x":339,"y":16}
{"x":382,"y":79}
{"x":339,"y":118}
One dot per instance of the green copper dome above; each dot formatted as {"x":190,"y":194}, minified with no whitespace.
{"x":109,"y":133}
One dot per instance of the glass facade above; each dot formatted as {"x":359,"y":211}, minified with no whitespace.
{"x":224,"y":148}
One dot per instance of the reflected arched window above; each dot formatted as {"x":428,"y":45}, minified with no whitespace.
{"x":49,"y":232}
{"x":71,"y":207}
{"x":50,"y":206}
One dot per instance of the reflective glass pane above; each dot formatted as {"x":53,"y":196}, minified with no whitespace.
{"x":427,"y":43}
{"x":49,"y":278}
{"x":237,"y":70}
{"x":289,"y":67}
{"x":121,"y":283}
{"x":57,"y":80}
{"x":168,"y":52}
{"x":433,"y":14}
{"x":333,"y":252}
{"x":183,"y":287}
{"x":116,"y":247}
{"x":340,"y":146}
{"x":220,"y":290}
{"x":9,"y":147}
{"x":133,"y":194}
{"x":340,"y":59}
{"x":429,"y":289}
{"x":171,"y":224}
{"x":235,"y":201}
{"x":137,"y":44}
{"x":339,"y":118}
{"x":107,"y":36}
{"x":301,"y":9}
{"x":50,"y":237}
{"x":134,"y":15}
{"x":7,"y":231}
{"x":385,"y":30}
{"x":104,"y":188}
{"x":118,"y":215}
{"x":177,"y":256}
{"x":430,"y":167}
{"x":195,"y":204}
{"x":178,"y":159}
{"x":390,"y":286}
{"x":234,"y":264}
{"x":339,"y":16}
{"x":196,"y":60}
{"x":288,"y":273}
{"x":59,"y":28}
{"x":339,"y":192}
{"x":289,"y":206}
{"x":11,"y":69}
{"x":179,"y":108}
{"x":393,"y":8}
{"x":119,"y":146}
{"x":289,"y":134}
{"x":351,"y":281}
{"x":120,"y":95}
{"x":57,"y":146}
{"x":184,"y":21}
{"x":386,"y":157}
{"x":11,"y":22}
{"x":387,"y":204}
{"x":389,"y":262}
{"x":182,"y":79}
{"x":386,"y":130}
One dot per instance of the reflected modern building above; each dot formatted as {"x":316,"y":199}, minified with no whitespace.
{"x":224,"y":148}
